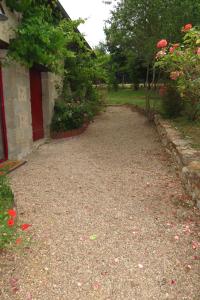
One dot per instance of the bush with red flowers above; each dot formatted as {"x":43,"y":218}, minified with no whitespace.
{"x":11,"y":233}
{"x":181,"y":62}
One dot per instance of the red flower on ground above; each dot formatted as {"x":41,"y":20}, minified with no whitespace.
{"x":25,"y":226}
{"x":18,"y":240}
{"x":12,"y":213}
{"x":162,"y":44}
{"x":187,"y":27}
{"x":198,"y":51}
{"x":10,"y":222}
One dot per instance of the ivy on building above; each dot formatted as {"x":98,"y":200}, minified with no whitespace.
{"x":43,"y":36}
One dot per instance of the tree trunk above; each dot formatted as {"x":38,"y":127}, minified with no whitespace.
{"x":147,"y":91}
{"x":123,"y":80}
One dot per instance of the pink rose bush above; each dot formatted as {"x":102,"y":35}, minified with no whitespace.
{"x":162,"y":44}
{"x":181,"y":62}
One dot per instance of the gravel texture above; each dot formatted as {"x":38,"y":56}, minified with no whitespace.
{"x":109,"y":218}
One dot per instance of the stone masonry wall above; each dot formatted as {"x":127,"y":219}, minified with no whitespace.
{"x":6,"y":28}
{"x":16,"y":88}
{"x":187,"y":159}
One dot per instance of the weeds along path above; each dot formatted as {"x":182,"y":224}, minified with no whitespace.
{"x":110,"y":219}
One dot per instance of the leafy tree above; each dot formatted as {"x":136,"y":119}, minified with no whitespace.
{"x":136,"y":25}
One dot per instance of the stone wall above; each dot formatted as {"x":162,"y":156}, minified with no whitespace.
{"x":6,"y":28}
{"x":186,"y":158}
{"x":16,"y":89}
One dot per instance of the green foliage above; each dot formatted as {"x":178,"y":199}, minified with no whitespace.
{"x":135,"y":26}
{"x":67,"y":116}
{"x":172,"y":103}
{"x":74,"y":107}
{"x":42,"y":37}
{"x":6,"y":195}
{"x":19,"y":5}
{"x":72,"y":115}
{"x":11,"y":233}
{"x":182,"y":64}
{"x":7,"y":234}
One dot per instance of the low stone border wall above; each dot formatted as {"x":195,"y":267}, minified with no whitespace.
{"x":69,"y":133}
{"x":187,"y":158}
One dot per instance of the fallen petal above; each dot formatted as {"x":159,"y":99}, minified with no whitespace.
{"x":96,"y":286}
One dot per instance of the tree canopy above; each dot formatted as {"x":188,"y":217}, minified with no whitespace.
{"x":136,"y":25}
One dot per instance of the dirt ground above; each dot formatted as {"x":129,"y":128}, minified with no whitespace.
{"x":109,"y":217}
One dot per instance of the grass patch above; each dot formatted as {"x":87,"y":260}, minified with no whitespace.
{"x":6,"y":195}
{"x":129,"y":96}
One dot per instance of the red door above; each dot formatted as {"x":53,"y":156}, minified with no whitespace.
{"x":3,"y":134}
{"x":36,"y":104}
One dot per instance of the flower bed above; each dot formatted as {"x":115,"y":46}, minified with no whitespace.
{"x":69,"y":133}
{"x":11,"y":232}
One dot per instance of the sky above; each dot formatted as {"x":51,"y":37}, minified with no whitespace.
{"x":95,"y":11}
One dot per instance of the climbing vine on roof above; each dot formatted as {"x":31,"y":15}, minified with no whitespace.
{"x":43,"y":36}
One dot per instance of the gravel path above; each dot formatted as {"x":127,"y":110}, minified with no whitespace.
{"x":110,"y":219}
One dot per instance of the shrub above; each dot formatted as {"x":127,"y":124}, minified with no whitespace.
{"x":73,"y":114}
{"x":172,"y":103}
{"x":181,"y":62}
{"x":67,"y":116}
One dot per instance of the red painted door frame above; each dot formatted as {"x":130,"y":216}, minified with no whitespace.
{"x":3,"y":120}
{"x":36,"y":104}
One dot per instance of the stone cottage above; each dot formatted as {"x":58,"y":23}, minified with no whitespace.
{"x":26,"y":98}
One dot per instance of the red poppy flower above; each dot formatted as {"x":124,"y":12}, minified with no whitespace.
{"x":12,"y":213}
{"x":18,"y":240}
{"x":25,"y":226}
{"x":171,"y":49}
{"x":10,"y":222}
{"x":162,"y":44}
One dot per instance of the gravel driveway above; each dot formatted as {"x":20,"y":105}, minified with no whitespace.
{"x":110,"y":219}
